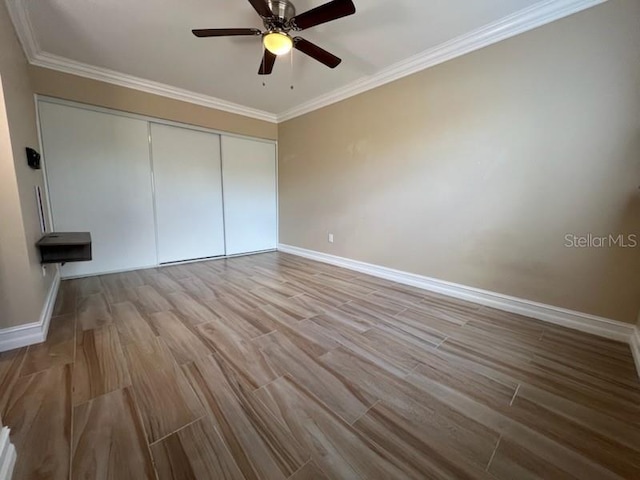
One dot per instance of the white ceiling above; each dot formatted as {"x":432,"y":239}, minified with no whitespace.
{"x":152,"y":40}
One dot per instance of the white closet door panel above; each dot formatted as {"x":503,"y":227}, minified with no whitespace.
{"x":187,"y":172}
{"x":250,"y":197}
{"x":99,"y":179}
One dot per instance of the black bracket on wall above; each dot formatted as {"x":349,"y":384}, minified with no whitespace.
{"x":33,"y":158}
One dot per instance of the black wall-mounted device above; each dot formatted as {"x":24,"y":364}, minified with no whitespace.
{"x":33,"y":158}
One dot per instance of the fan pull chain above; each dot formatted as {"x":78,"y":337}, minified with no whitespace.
{"x":291,"y":70}
{"x":264,"y":79}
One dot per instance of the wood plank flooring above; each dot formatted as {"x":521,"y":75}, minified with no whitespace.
{"x":276,"y":367}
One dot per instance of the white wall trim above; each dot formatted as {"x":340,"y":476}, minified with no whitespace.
{"x":65,"y":65}
{"x":31,"y":333}
{"x":584,"y":322}
{"x":634,"y":343}
{"x":541,"y":13}
{"x":7,"y":455}
{"x":24,"y":29}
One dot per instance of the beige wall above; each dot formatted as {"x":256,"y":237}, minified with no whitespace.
{"x":93,"y":92}
{"x":23,"y":289}
{"x":473,"y":171}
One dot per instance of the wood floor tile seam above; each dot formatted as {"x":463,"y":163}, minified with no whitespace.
{"x":400,"y":312}
{"x":238,"y":433}
{"x":355,"y":465}
{"x":413,"y":369}
{"x":365,"y":412}
{"x":589,"y":420}
{"x":175,"y":367}
{"x":226,"y":446}
{"x":347,"y":346}
{"x":443,"y":340}
{"x":320,"y":401}
{"x":300,"y":468}
{"x":106,"y":301}
{"x":23,"y":361}
{"x":186,"y":425}
{"x":259,"y":337}
{"x":138,"y":414}
{"x":98,"y":396}
{"x":509,"y":424}
{"x":71,"y":423}
{"x":495,"y":449}
{"x":193,"y":391}
{"x":262,"y":387}
{"x":515,"y":394}
{"x":21,"y":366}
{"x":16,"y":378}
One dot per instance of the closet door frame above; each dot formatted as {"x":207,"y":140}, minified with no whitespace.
{"x":149,"y":119}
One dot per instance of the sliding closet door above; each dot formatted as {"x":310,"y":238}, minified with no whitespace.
{"x":99,"y":179}
{"x":188,"y":185}
{"x":250,"y":198}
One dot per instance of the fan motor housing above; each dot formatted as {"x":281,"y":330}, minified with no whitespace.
{"x":283,"y":9}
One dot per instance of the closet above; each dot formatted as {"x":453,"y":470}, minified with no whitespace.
{"x":98,"y":177}
{"x":153,"y":192}
{"x":250,"y":210}
{"x":188,"y":191}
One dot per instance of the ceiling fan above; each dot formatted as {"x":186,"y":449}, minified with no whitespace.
{"x":279,"y":18}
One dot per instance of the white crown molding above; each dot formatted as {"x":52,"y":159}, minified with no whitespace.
{"x":23,"y":27}
{"x":584,"y":322}
{"x":527,"y":19}
{"x":32,"y":333}
{"x":522,"y":21}
{"x":65,"y":65}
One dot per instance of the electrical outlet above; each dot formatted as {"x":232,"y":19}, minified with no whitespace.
{"x":331,"y":238}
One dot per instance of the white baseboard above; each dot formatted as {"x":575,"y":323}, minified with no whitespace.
{"x":31,"y":333}
{"x":634,"y":343}
{"x":584,"y":322}
{"x":7,"y":455}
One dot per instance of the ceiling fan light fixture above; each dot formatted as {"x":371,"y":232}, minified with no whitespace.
{"x":278,"y":43}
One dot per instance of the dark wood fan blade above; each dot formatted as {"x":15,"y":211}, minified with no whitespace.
{"x":324,"y":13}
{"x":316,"y":52}
{"x":262,"y":8}
{"x":225,"y":32}
{"x":266,"y":67}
